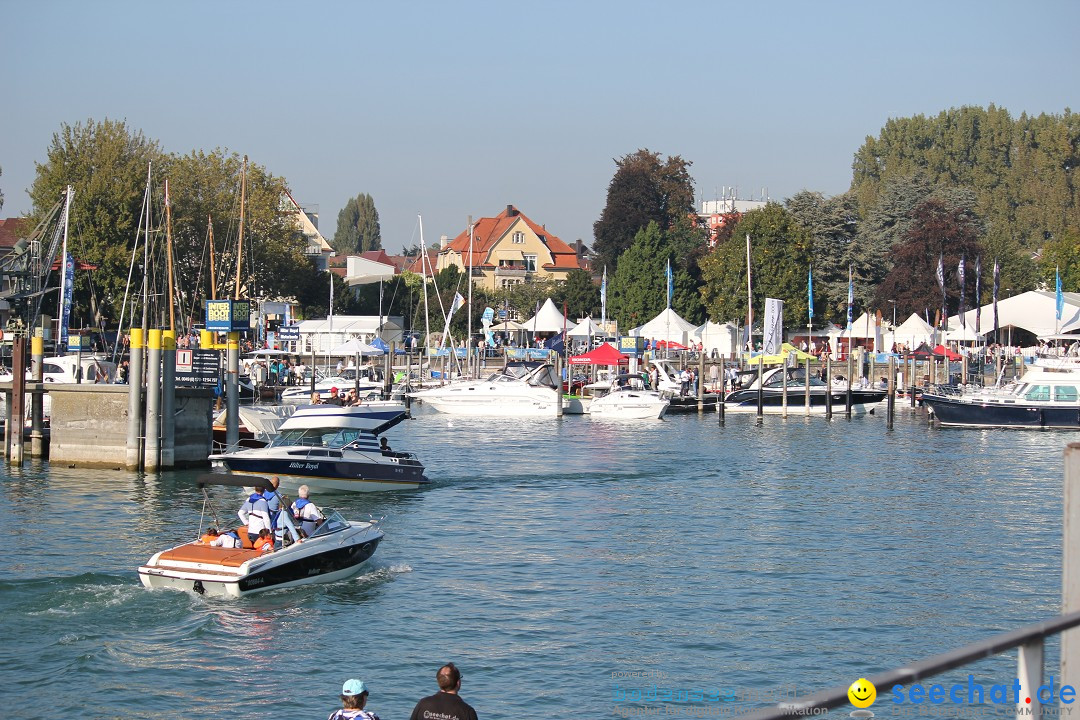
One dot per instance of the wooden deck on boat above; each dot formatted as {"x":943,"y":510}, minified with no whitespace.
{"x":196,"y":553}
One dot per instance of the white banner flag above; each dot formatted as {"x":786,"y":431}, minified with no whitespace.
{"x":774,"y":326}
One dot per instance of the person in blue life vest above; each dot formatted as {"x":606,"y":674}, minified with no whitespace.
{"x":446,"y":703}
{"x":305,"y":512}
{"x":255,"y":513}
{"x":354,"y":696}
{"x":273,"y":503}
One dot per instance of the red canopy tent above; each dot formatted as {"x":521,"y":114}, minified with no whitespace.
{"x":949,"y":354}
{"x":604,"y":355}
{"x":671,"y":345}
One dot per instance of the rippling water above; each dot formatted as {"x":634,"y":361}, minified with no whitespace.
{"x":547,"y":556}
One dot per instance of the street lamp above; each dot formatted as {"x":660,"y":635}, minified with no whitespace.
{"x":893,"y":303}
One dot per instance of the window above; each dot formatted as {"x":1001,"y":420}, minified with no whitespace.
{"x":530,"y":262}
{"x":518,"y":238}
{"x":1038,"y":392}
{"x":1065,"y":393}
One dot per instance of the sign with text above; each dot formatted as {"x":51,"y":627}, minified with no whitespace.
{"x":228,"y":315}
{"x":630,"y":345}
{"x":197,"y":368}
{"x":287,"y":333}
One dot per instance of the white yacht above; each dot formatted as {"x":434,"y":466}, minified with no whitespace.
{"x":523,"y":389}
{"x":625,"y":397}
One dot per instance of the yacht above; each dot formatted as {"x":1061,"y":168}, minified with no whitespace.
{"x":625,"y":397}
{"x":1045,"y":397}
{"x":336,"y":550}
{"x":332,"y":449}
{"x":667,"y":381}
{"x":745,"y":398}
{"x":521,"y":389}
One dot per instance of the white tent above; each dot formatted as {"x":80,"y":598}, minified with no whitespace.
{"x":586,"y":328}
{"x":507,"y":326}
{"x":548,"y":320}
{"x":1034,"y":311}
{"x":912,"y":332}
{"x":666,"y":326}
{"x":356,"y":346}
{"x":724,"y":339}
{"x":863,"y":327}
{"x":956,"y":333}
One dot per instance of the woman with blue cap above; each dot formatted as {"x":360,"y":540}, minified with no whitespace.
{"x":354,"y":695}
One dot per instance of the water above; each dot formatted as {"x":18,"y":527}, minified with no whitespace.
{"x":548,"y":556}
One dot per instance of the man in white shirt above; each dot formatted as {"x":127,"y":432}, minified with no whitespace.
{"x":305,"y":511}
{"x":256,"y":514}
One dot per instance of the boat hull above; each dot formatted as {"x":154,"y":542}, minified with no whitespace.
{"x":481,"y":404}
{"x":954,"y":412}
{"x":215,"y":571}
{"x":326,"y":474}
{"x":628,"y":406}
{"x":772,"y":402}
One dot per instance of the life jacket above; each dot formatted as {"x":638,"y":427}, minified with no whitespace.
{"x":207,"y":539}
{"x":300,"y":503}
{"x":261,"y":543}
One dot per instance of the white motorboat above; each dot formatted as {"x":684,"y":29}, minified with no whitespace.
{"x":521,"y":389}
{"x":332,"y":449}
{"x":625,"y":397}
{"x":667,"y":371}
{"x":342,"y":382}
{"x":336,"y":550}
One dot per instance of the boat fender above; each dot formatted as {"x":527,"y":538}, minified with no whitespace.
{"x":198,"y":587}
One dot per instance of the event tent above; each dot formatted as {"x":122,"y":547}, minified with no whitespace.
{"x":586,"y":328}
{"x":724,"y":339}
{"x":604,"y":354}
{"x":912,"y":332}
{"x":1034,"y":311}
{"x":356,"y":346}
{"x":665,"y":326}
{"x":548,"y":320}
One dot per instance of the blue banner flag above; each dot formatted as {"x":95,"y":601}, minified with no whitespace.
{"x":1060,"y":296}
{"x":850,"y":297}
{"x":603,"y":300}
{"x":810,"y":291}
{"x":670,"y":284}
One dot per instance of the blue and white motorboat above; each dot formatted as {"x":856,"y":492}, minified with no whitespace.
{"x":332,"y":449}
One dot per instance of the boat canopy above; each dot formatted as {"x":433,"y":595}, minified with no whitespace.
{"x":231,"y":480}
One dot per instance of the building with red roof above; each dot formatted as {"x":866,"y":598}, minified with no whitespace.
{"x":509,"y":249}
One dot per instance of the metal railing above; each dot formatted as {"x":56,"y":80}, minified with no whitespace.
{"x":1030,"y":639}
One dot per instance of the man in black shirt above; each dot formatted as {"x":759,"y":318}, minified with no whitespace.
{"x":445,"y":704}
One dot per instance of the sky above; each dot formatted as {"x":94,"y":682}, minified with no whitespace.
{"x":451,"y":109}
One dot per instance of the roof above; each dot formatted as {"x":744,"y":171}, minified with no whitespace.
{"x":489,"y":230}
{"x":12,"y":229}
{"x":416,"y":264}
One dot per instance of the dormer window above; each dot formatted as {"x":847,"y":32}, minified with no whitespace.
{"x":518,"y":238}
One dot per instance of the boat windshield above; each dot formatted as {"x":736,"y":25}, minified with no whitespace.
{"x":796,"y":378}
{"x":331,"y":437}
{"x":333,"y":523}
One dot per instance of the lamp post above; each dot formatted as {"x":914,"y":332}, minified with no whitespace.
{"x":893,"y":303}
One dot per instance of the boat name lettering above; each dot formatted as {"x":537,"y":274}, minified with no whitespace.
{"x":303,"y":466}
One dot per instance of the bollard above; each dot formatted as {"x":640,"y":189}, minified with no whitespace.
{"x":701,"y":383}
{"x":152,"y":455}
{"x":721,"y":397}
{"x":847,"y":396}
{"x":558,"y":390}
{"x":168,"y":398}
{"x":1070,"y":564}
{"x":133,"y":453}
{"x":828,"y":387}
{"x":760,"y":388}
{"x":37,"y":400}
{"x":892,"y":393}
{"x":16,"y":402}
{"x":783,"y":391}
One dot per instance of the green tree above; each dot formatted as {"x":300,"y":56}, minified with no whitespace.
{"x":780,"y":250}
{"x":644,"y":189}
{"x":106,"y":163}
{"x":1062,"y":253}
{"x":639,"y":287}
{"x":833,"y":224}
{"x":357,"y":227}
{"x":581,"y":294}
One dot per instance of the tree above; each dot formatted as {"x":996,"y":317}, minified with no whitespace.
{"x":580,"y":294}
{"x":107,"y":164}
{"x":832,"y":223}
{"x":358,"y":227}
{"x":644,"y":189}
{"x":937,"y":231}
{"x":207,"y":186}
{"x":780,"y":256}
{"x":639,"y":288}
{"x":1062,"y":254}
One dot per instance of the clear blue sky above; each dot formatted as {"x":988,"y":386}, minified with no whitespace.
{"x":457,"y":108}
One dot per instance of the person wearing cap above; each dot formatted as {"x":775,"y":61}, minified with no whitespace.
{"x":354,"y":695}
{"x":446,"y":703}
{"x":335,"y":399}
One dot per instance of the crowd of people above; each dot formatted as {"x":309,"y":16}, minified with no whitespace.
{"x":446,"y":704}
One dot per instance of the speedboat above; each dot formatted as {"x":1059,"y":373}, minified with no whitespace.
{"x":343,"y":381}
{"x":332,"y":449}
{"x":1045,"y":397}
{"x":521,"y":389}
{"x":745,"y":399}
{"x":336,"y":550}
{"x":625,"y":397}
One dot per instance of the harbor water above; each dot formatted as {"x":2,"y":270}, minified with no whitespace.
{"x":559,"y":563}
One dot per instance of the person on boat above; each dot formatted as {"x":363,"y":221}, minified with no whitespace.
{"x":306,"y":512}
{"x":273,"y":501}
{"x":210,"y":536}
{"x":354,"y":696}
{"x":335,"y":399}
{"x":446,"y":703}
{"x":265,"y":541}
{"x":256,"y":514}
{"x":316,"y":398}
{"x":228,"y":540}
{"x":384,"y":446}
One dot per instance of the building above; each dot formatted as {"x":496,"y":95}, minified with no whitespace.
{"x":722,"y":214}
{"x":509,"y":249}
{"x":316,"y":248}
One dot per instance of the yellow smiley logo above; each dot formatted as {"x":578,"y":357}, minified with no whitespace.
{"x":862,"y":693}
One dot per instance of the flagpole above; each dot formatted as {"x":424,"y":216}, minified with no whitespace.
{"x":468,"y":273}
{"x":749,"y":299}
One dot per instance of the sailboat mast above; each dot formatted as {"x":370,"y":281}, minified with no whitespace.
{"x":213,"y":276}
{"x":468,"y":276}
{"x":146,"y":262}
{"x":169,"y":258}
{"x":749,"y":297}
{"x":423,"y":272}
{"x":64,"y":289}
{"x":240,"y":240}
